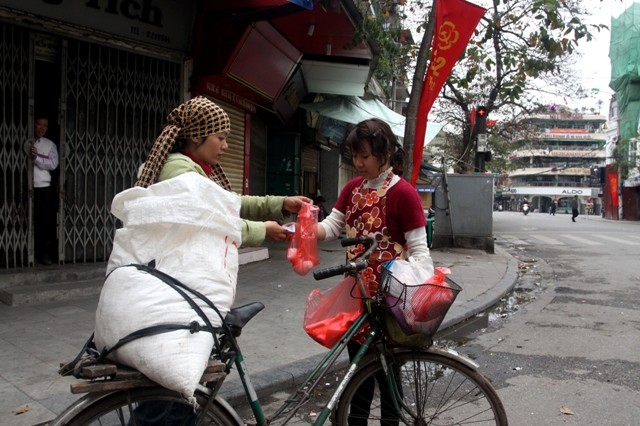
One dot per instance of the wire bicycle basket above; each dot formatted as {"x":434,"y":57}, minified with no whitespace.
{"x":418,"y":308}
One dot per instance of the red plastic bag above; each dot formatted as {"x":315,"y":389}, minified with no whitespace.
{"x":303,"y":246}
{"x":432,"y":300}
{"x":330,"y":313}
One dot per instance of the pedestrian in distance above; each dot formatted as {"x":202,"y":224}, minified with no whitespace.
{"x":552,"y":209}
{"x":322,"y":212}
{"x":378,"y":203}
{"x":45,"y":206}
{"x":575,"y":208}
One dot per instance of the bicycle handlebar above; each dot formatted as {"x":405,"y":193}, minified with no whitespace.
{"x":356,"y":265}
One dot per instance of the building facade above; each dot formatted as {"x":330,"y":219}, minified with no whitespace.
{"x":107,"y":73}
{"x":623,"y":169}
{"x":105,"y":77}
{"x":561,"y":156}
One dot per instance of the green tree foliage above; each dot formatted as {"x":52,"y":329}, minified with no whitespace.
{"x":517,"y":43}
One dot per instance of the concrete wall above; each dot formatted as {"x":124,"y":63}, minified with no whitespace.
{"x":464,"y":217}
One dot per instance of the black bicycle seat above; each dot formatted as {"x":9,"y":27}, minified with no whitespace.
{"x":240,"y":316}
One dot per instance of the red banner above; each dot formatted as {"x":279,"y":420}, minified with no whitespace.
{"x":613,"y":188}
{"x":455,"y":22}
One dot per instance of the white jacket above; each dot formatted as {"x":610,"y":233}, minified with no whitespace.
{"x":46,"y":161}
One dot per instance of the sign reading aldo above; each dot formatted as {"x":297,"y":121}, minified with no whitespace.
{"x":553,"y":191}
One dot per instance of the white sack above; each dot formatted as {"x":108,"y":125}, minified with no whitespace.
{"x":191,"y":227}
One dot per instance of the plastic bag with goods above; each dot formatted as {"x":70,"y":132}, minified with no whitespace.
{"x":303,"y":246}
{"x":433,"y":300}
{"x":329,"y":313}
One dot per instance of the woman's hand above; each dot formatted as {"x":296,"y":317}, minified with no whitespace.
{"x":275,"y":232}
{"x":294,"y":203}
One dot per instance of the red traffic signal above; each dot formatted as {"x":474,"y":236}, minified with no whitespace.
{"x":481,"y":111}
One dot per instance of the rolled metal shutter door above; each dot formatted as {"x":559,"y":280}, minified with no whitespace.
{"x":233,"y":160}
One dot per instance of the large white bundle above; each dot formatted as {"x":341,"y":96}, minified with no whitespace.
{"x":191,"y":228}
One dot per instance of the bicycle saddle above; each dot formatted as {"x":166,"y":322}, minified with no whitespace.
{"x":240,"y":316}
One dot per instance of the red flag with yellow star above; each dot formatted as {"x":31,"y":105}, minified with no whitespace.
{"x":455,"y":22}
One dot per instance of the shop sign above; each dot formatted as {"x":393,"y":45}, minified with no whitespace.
{"x":552,"y":190}
{"x":212,"y":89}
{"x":165,"y":23}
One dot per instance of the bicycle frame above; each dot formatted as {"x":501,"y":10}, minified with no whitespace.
{"x":377,"y":358}
{"x":304,"y":391}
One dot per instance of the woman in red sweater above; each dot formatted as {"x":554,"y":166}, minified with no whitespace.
{"x":381,"y":204}
{"x":378,"y":203}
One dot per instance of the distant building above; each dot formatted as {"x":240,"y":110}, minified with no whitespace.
{"x":560,"y":157}
{"x":622,"y":189}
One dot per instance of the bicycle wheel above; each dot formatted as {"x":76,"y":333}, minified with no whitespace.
{"x":436,"y":390}
{"x":142,"y":407}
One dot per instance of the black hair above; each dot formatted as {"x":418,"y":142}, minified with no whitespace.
{"x":384,"y":144}
{"x":181,"y":143}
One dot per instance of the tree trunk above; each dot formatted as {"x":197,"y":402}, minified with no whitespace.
{"x":423,"y":57}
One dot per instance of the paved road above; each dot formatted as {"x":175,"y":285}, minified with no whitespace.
{"x":570,"y":355}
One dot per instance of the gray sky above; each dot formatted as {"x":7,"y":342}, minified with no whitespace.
{"x":594,"y":62}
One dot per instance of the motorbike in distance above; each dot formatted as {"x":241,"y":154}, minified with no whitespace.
{"x":525,"y":208}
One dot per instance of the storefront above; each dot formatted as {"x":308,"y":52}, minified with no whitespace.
{"x":105,"y":74}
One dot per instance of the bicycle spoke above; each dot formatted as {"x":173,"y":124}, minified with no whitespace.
{"x":434,"y":390}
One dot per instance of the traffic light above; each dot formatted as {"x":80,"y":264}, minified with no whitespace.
{"x":481,"y":119}
{"x":481,"y":129}
{"x":482,"y":154}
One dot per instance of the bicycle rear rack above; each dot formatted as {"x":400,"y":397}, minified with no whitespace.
{"x":114,"y":377}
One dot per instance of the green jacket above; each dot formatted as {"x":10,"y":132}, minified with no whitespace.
{"x":252,"y":208}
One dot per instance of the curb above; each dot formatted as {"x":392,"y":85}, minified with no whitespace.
{"x":487,"y":299}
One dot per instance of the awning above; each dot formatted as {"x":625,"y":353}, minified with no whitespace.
{"x":353,"y":109}
{"x":334,"y":78}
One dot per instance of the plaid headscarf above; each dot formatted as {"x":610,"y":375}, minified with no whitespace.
{"x":196,"y":118}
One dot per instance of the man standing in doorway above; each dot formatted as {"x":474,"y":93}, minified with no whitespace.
{"x":45,"y":159}
{"x":575,"y":208}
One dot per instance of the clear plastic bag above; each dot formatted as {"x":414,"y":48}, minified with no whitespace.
{"x":407,"y":272}
{"x":303,"y":246}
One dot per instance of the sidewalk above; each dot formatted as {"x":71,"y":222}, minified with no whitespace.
{"x":35,"y":339}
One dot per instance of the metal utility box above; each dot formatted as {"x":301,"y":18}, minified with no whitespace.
{"x":464,"y":215}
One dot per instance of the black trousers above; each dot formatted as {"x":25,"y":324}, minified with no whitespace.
{"x":361,"y":404}
{"x":45,"y":208}
{"x":574,"y":214}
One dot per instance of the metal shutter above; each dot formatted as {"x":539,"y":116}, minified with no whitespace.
{"x":310,"y":156}
{"x":233,"y":160}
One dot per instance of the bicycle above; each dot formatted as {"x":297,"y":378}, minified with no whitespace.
{"x":429,"y":385}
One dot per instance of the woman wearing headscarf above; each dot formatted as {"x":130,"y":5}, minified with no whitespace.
{"x":193,"y":141}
